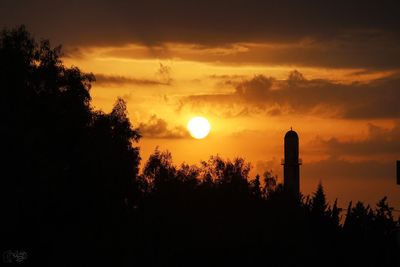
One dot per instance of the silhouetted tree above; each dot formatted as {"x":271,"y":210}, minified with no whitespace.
{"x":335,"y":216}
{"x":384,"y":218}
{"x":318,"y":203}
{"x":70,"y":171}
{"x":255,"y":188}
{"x":269,"y":183}
{"x":159,"y":170}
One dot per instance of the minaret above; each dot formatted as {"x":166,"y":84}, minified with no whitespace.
{"x":291,"y":164}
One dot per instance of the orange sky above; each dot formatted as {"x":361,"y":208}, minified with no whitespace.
{"x":234,"y":63}
{"x":164,"y":93}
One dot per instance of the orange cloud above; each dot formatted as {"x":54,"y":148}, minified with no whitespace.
{"x":297,"y":95}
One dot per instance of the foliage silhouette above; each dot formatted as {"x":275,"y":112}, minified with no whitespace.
{"x":73,"y":194}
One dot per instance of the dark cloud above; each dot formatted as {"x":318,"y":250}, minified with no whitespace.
{"x":255,"y":89}
{"x":158,"y":128}
{"x":205,"y":21}
{"x":163,"y":76}
{"x":356,"y":50}
{"x":380,"y":141}
{"x":343,"y":33}
{"x":115,"y":80}
{"x":226,"y":77}
{"x":297,"y":95}
{"x":375,"y":51}
{"x":338,"y":168}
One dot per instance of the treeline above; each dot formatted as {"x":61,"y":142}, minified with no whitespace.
{"x":73,"y":195}
{"x":217,"y":209}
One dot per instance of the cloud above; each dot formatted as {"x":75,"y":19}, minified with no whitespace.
{"x":335,"y":34}
{"x":347,"y":51}
{"x":337,"y":168}
{"x":204,"y":21}
{"x":344,"y":52}
{"x":380,"y":141}
{"x":163,"y":76}
{"x":297,"y":95}
{"x":274,"y":165}
{"x":158,"y":128}
{"x":353,"y":51}
{"x":115,"y":80}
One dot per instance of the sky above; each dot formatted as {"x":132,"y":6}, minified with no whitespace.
{"x":329,"y":69}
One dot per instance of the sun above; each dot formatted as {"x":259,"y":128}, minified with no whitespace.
{"x":198,"y":127}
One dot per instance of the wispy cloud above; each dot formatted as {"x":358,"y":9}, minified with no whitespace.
{"x":380,"y":141}
{"x":158,"y":128}
{"x":115,"y":80}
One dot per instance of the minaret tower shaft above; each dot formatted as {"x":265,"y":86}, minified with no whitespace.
{"x":291,"y":163}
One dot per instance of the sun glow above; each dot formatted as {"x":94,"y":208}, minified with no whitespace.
{"x":198,"y":127}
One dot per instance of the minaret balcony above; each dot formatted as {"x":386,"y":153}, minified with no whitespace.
{"x":289,"y":162}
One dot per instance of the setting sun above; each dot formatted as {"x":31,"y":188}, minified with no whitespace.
{"x":198,"y":127}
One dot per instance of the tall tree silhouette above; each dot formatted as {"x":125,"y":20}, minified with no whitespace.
{"x":68,"y":170}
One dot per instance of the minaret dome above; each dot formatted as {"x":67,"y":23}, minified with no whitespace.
{"x":291,"y":163}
